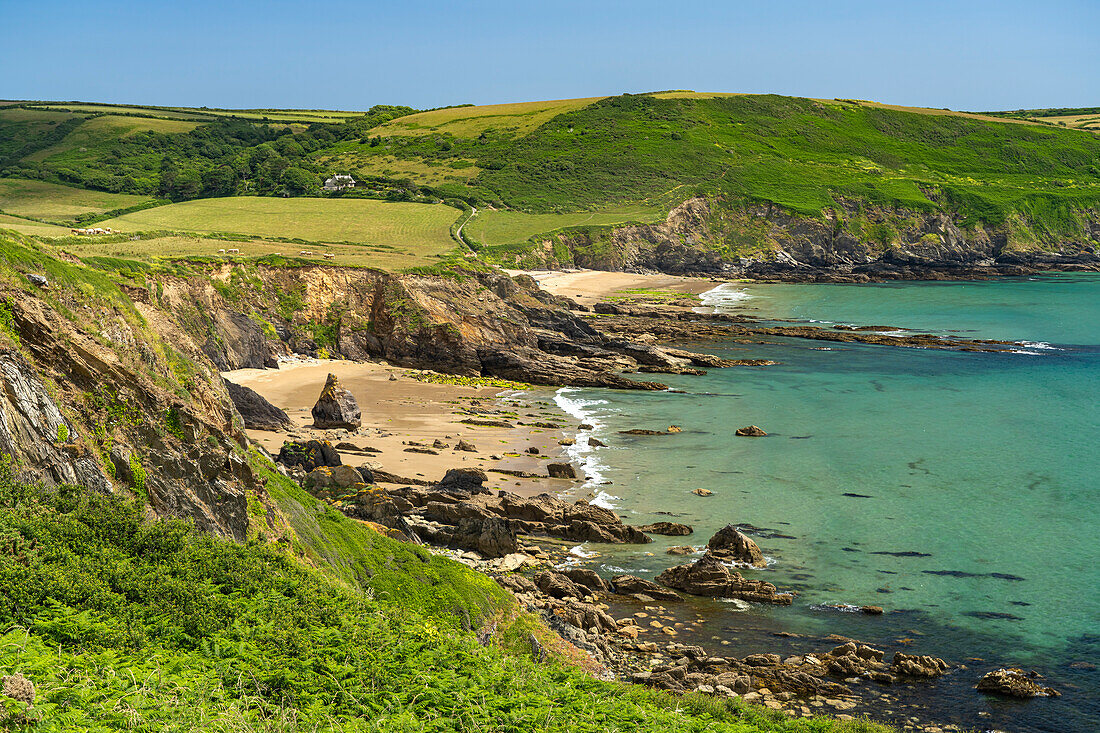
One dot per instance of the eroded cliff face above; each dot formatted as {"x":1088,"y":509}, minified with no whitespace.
{"x":116,"y":401}
{"x":708,"y":237}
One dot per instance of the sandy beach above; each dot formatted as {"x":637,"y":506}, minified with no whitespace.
{"x":591,"y":286}
{"x":407,"y":413}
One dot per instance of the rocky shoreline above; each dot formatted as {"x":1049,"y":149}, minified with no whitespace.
{"x":626,"y":623}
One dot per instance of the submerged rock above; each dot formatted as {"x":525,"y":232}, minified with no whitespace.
{"x":730,"y":544}
{"x":336,"y":408}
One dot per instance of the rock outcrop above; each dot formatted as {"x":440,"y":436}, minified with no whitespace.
{"x":258,"y":413}
{"x":641,"y":589}
{"x":111,"y":403}
{"x":308,"y":455}
{"x":709,"y":577}
{"x":731,"y":545}
{"x":669,"y":529}
{"x":336,"y":408}
{"x":1014,"y":682}
{"x":926,"y":245}
{"x":459,"y":500}
{"x":750,"y":431}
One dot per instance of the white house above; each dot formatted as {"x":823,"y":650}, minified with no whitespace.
{"x":339,"y":182}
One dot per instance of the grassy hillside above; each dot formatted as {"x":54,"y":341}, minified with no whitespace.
{"x":199,"y":113}
{"x":360,"y":232}
{"x":1081,"y":118}
{"x":121,"y":622}
{"x":363,"y":221}
{"x":514,"y":120}
{"x":503,"y":227}
{"x":598,"y":161}
{"x":64,"y":204}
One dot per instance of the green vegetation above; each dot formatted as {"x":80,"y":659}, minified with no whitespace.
{"x":576,"y":166}
{"x":425,"y":227}
{"x":51,"y":202}
{"x":121,"y":622}
{"x":514,"y":119}
{"x":150,"y":153}
{"x":800,"y":154}
{"x":478,"y":382}
{"x":502,"y":227}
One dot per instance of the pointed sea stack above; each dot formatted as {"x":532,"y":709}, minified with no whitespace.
{"x":336,"y":408}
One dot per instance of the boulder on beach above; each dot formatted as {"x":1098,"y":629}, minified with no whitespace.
{"x":464,"y":479}
{"x":731,"y":545}
{"x":1014,"y":682}
{"x":750,"y":431}
{"x":336,"y":408}
{"x":465,"y":446}
{"x":258,"y":413}
{"x":561,"y":470}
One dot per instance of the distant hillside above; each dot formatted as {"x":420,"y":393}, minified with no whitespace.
{"x":540,"y":172}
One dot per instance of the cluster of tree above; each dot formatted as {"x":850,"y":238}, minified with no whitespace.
{"x":219,"y":158}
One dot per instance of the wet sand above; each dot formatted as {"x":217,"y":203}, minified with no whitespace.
{"x":397,"y":413}
{"x":591,"y":286}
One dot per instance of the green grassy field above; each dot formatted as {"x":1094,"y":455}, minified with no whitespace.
{"x":361,"y":221}
{"x":155,"y":247}
{"x":492,"y":228}
{"x":33,"y":228}
{"x":511,"y":119}
{"x":49,"y":201}
{"x":205,"y":113}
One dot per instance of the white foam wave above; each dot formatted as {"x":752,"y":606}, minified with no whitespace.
{"x":579,"y":551}
{"x":841,"y":607}
{"x":605,"y":500}
{"x":1041,"y":345}
{"x":570,"y":401}
{"x":724,"y":296}
{"x":736,"y":603}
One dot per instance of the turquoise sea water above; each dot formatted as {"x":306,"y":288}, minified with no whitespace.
{"x":961,"y":491}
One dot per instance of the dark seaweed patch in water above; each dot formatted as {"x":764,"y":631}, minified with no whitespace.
{"x":905,"y":553}
{"x":858,"y":496}
{"x":1019,"y":603}
{"x":916,"y":466}
{"x":849,"y":549}
{"x":993,"y":615}
{"x":964,"y":574}
{"x":801,"y":437}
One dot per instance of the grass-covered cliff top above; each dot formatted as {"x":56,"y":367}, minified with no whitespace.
{"x":125,"y":623}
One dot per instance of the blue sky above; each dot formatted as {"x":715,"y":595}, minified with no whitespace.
{"x":967,"y":54}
